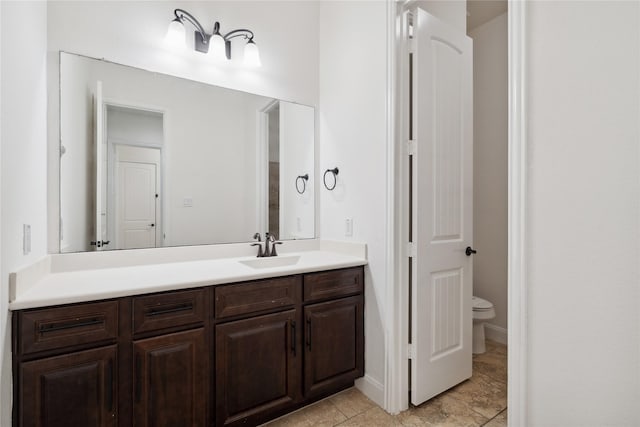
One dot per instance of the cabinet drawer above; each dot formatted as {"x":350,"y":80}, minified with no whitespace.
{"x":256,"y":297}
{"x":166,"y":310}
{"x":53,"y":328}
{"x":332,"y":284}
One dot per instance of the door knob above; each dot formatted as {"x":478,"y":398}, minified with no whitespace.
{"x":469,"y":251}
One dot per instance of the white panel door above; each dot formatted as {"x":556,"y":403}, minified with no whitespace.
{"x":442,"y":207}
{"x":136,"y":205}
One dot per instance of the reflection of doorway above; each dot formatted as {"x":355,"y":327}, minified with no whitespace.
{"x":137,"y":182}
{"x":134,"y":175}
{"x":273,"y":115}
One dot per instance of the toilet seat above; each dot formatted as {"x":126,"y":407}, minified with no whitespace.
{"x":480,"y":304}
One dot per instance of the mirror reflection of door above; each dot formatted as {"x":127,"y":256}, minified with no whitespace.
{"x":273,"y":115}
{"x":134,"y":214}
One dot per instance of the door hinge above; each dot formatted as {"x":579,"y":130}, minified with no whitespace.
{"x":410,"y":354}
{"x":411,"y":45}
{"x":411,"y":147}
{"x":411,"y":250}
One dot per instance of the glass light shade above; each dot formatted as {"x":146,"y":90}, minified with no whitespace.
{"x":217,"y":48}
{"x":251,"y":55}
{"x":175,"y":34}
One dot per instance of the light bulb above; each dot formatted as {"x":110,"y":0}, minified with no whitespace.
{"x":175,"y":33}
{"x":217,"y":47}
{"x":251,"y":55}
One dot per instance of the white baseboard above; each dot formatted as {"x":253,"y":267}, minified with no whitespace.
{"x":371,"y":388}
{"x":495,"y":333}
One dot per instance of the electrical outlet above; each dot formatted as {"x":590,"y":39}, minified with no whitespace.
{"x":26,"y":239}
{"x":348,"y":227}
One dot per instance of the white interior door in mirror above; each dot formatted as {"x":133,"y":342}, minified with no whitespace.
{"x":442,"y":207}
{"x":137,"y":171}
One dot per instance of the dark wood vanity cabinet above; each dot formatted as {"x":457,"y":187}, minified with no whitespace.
{"x":63,"y":355}
{"x":237,"y":354}
{"x":75,"y":389}
{"x":281,"y":343}
{"x":334,"y":345}
{"x":334,"y":330}
{"x":170,"y":359}
{"x":170,"y":380}
{"x":258,"y":363}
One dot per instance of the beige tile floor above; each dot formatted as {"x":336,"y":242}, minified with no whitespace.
{"x":479,"y":401}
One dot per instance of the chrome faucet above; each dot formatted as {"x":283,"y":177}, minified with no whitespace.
{"x":268,"y":238}
{"x":269,"y":245}
{"x":258,"y":244}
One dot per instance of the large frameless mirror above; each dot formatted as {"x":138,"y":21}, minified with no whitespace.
{"x":151,"y":160}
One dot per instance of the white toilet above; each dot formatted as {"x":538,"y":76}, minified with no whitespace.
{"x":482,"y":311}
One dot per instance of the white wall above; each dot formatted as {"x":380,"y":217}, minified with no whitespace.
{"x":490,"y":118}
{"x":133,"y":33}
{"x":453,"y":12}
{"x":24,"y":144}
{"x":583,"y":213}
{"x":297,"y":211}
{"x":353,"y":130}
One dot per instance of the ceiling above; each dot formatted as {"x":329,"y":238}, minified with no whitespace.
{"x":482,"y":11}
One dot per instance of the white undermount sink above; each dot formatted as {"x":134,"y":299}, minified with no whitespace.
{"x":270,"y":262}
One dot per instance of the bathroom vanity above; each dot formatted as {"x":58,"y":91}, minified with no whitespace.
{"x":236,"y":353}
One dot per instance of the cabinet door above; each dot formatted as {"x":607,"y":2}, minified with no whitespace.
{"x":257,"y":367}
{"x":76,"y":389}
{"x":334,"y":345}
{"x":170,"y":380}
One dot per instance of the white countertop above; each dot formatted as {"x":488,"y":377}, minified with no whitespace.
{"x":54,"y":281}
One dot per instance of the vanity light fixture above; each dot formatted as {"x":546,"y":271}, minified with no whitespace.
{"x":216,"y":44}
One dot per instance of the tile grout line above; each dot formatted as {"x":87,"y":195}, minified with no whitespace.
{"x":466,"y":403}
{"x":346,"y":418}
{"x":494,"y":417}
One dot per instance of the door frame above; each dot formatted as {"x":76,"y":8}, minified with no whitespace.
{"x":262,"y":165}
{"x":396,"y":397}
{"x":517,"y":212}
{"x":163,"y":229}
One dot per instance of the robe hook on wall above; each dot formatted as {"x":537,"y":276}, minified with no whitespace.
{"x":303,"y":179}
{"x":333,"y":172}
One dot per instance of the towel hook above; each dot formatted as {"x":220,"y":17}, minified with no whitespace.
{"x":334,"y":172}
{"x":302,"y":178}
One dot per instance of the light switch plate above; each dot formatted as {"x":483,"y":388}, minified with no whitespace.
{"x":26,"y":239}
{"x":348,"y":227}
{"x":187,"y":202}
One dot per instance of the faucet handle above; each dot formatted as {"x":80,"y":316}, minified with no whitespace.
{"x":257,"y":236}
{"x":273,"y":248}
{"x":260,"y":254}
